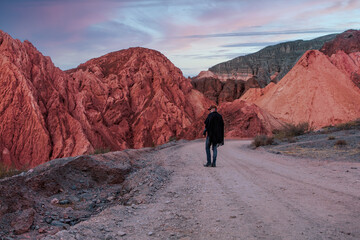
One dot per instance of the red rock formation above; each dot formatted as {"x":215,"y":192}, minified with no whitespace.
{"x":348,"y":42}
{"x":127,"y":99}
{"x":243,"y":119}
{"x":137,"y":98}
{"x":35,"y":99}
{"x":318,"y":90}
{"x":219,"y":89}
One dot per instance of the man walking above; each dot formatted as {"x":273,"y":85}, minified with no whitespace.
{"x":214,"y":127}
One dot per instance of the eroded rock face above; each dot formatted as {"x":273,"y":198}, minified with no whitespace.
{"x":346,"y":46}
{"x":136,"y":98}
{"x":35,"y":103}
{"x":348,"y":42}
{"x":220,"y":90}
{"x":318,"y":90}
{"x":243,"y":119}
{"x":127,"y":99}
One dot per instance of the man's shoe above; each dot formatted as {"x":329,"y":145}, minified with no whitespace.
{"x":207,"y":165}
{"x":213,"y":165}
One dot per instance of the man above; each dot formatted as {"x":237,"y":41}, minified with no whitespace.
{"x":214,"y":127}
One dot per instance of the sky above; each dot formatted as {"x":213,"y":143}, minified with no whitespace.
{"x":193,"y":34}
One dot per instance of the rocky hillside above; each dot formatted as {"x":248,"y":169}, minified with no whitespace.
{"x":136,"y":98}
{"x":349,"y":43}
{"x":63,"y":192}
{"x":318,"y":90}
{"x":323,"y":88}
{"x":269,"y":64}
{"x":218,"y":90}
{"x":36,"y":101}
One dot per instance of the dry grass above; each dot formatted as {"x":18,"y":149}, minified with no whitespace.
{"x":348,"y":125}
{"x":289,"y":131}
{"x":342,"y":126}
{"x":340,"y":143}
{"x":6,"y":171}
{"x":262,"y":140}
{"x":101,"y":151}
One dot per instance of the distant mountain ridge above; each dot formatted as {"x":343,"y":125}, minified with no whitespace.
{"x":271,"y":63}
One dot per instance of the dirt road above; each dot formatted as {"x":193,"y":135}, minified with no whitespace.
{"x":251,"y":194}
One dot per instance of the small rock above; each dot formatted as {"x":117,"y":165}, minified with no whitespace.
{"x":48,"y":220}
{"x":68,"y":209}
{"x":23,"y":221}
{"x":57,"y":223}
{"x":150,"y":233}
{"x":42,"y":230}
{"x":73,"y":187}
{"x":54,"y":201}
{"x":232,"y":216}
{"x":121,"y":233}
{"x":64,"y":202}
{"x":109,"y":237}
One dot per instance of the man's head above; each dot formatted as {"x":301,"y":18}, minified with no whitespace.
{"x":212,"y":108}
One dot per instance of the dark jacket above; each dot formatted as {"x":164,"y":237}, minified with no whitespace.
{"x":214,"y":126}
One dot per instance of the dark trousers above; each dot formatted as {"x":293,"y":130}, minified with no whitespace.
{"x":208,"y":154}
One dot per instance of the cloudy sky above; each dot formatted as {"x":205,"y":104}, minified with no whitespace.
{"x":193,"y":34}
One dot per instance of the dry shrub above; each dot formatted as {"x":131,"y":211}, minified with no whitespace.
{"x":348,"y":125}
{"x":290,"y":131}
{"x":262,"y":140}
{"x":340,"y":143}
{"x":101,"y":151}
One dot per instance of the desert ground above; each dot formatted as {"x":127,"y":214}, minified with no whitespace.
{"x":251,"y":194}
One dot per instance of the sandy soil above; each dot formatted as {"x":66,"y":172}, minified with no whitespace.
{"x":252,"y":194}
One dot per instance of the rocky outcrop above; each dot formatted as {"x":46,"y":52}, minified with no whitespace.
{"x":36,"y":99}
{"x":219,"y":90}
{"x":269,"y":64}
{"x":243,"y":119}
{"x":318,"y":90}
{"x":64,"y":192}
{"x":136,"y":98}
{"x":348,"y":43}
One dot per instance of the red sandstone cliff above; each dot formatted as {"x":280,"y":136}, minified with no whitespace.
{"x":35,"y":99}
{"x":244,"y":119}
{"x":221,"y":90}
{"x":136,"y":98}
